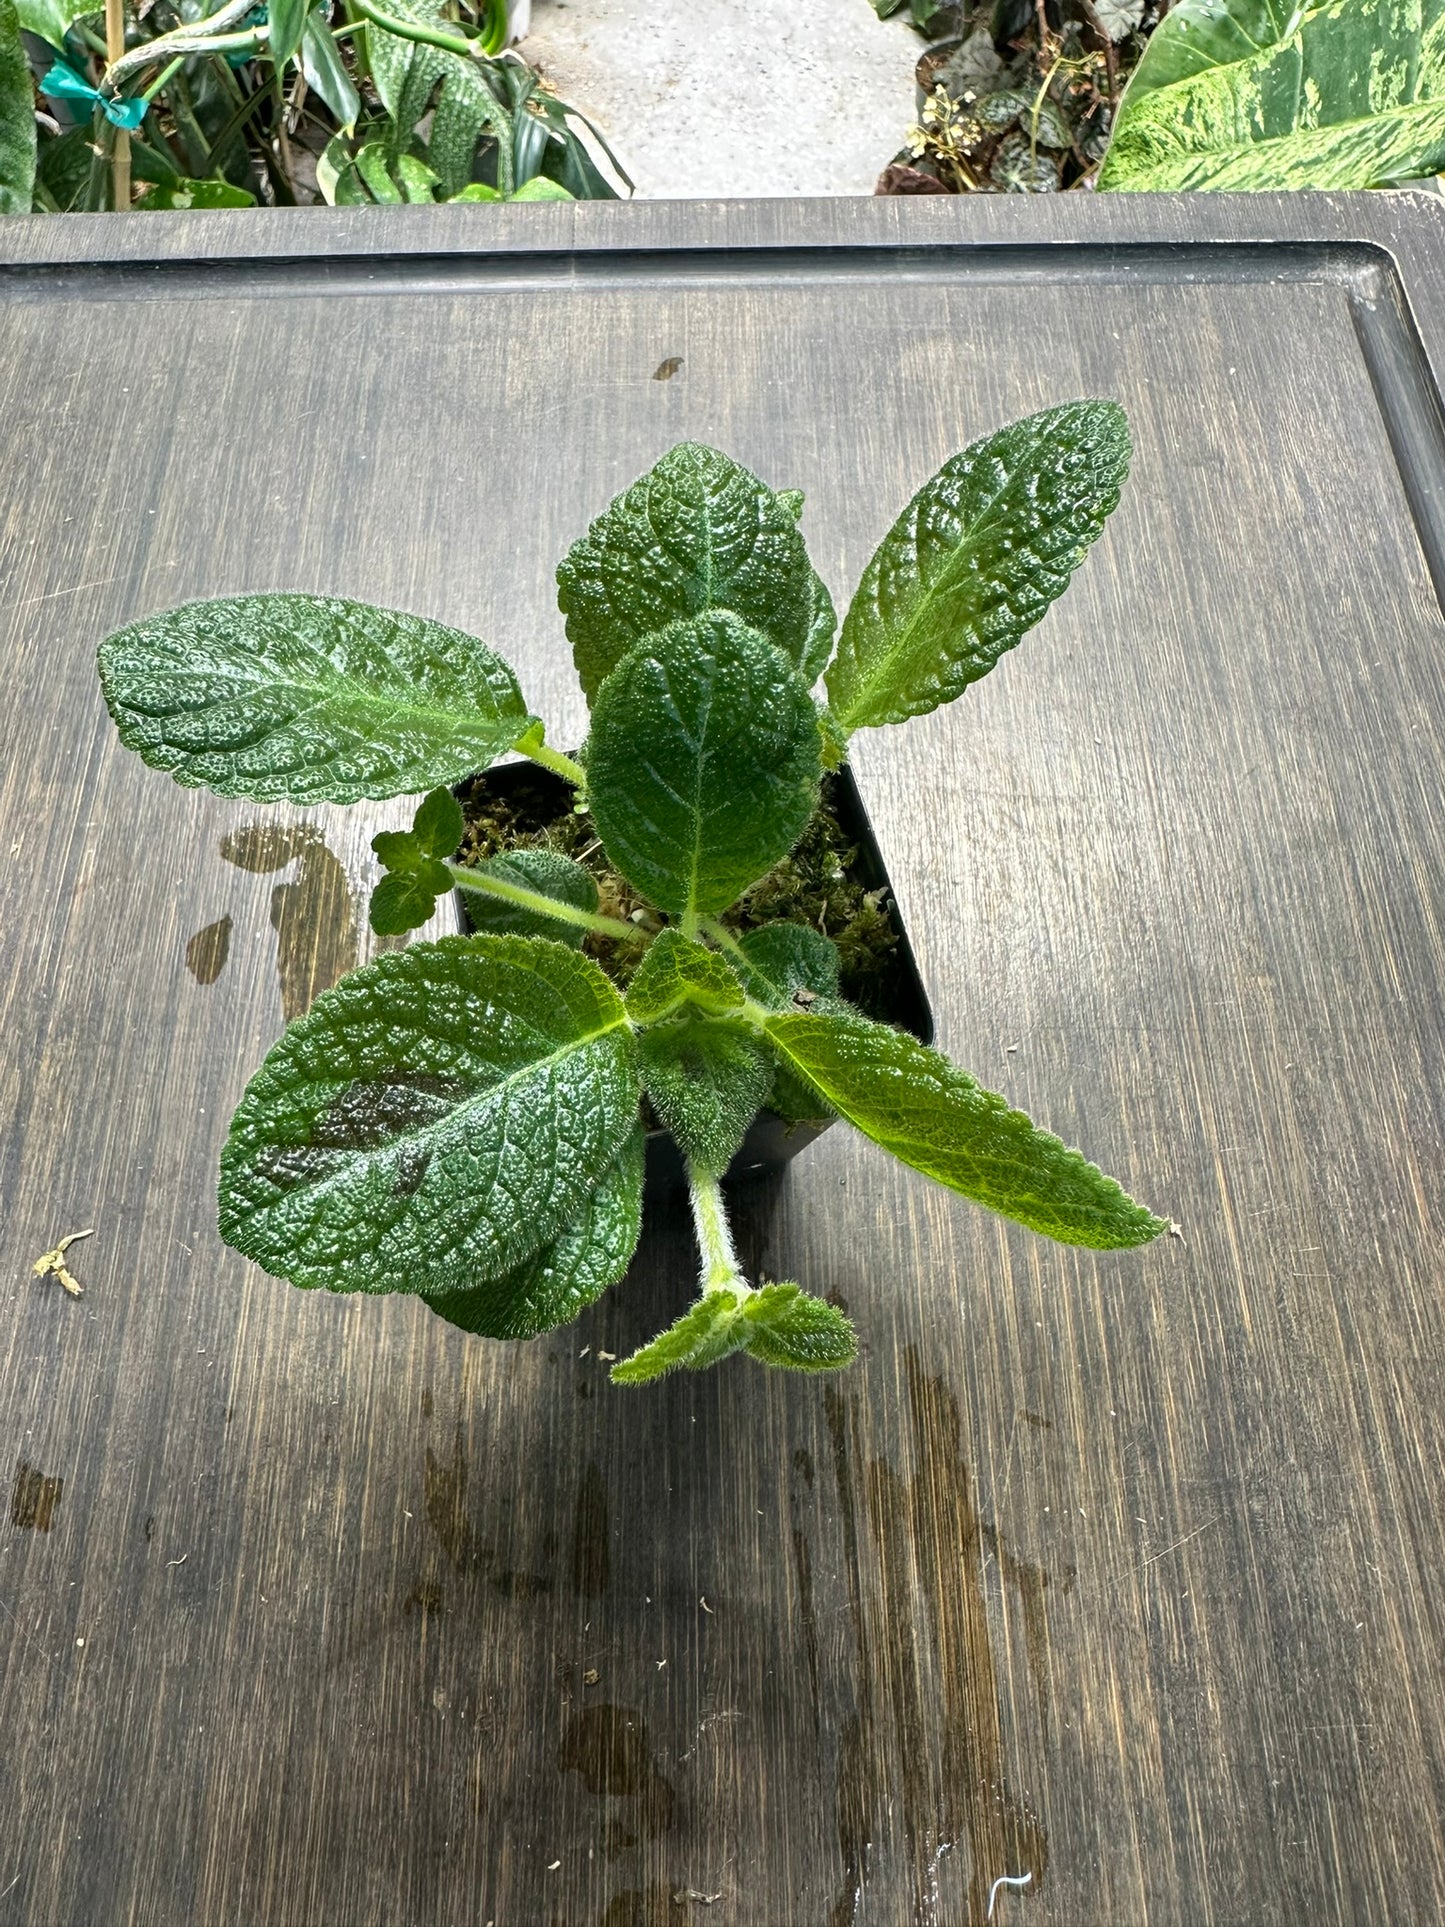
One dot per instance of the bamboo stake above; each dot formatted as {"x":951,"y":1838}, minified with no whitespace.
{"x":120,"y":143}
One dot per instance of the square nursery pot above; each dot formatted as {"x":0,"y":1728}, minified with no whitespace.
{"x":771,"y":1142}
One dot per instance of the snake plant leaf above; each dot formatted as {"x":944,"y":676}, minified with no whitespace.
{"x":788,"y":1326}
{"x":307,"y":699}
{"x":1256,"y":95}
{"x":408,"y":75}
{"x":974,"y":561}
{"x":546,"y":873}
{"x":17,"y":112}
{"x":698,"y":532}
{"x":703,"y":763}
{"x":675,"y":972}
{"x":933,"y":1116}
{"x":706,"y":1332}
{"x":558,"y":1282}
{"x":434,"y":1120}
{"x":707,"y":1080}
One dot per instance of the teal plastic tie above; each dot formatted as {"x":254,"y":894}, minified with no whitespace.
{"x":64,"y":83}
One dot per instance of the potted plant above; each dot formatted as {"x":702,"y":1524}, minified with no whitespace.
{"x":464,"y":1119}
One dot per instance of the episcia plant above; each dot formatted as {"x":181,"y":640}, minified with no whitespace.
{"x":464,"y":1119}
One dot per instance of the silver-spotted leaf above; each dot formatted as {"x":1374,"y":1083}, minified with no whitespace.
{"x":1259,"y":96}
{"x":707,"y":1080}
{"x":697,"y":532}
{"x":308,"y":699}
{"x":558,"y":1282}
{"x":933,"y":1116}
{"x":675,"y":971}
{"x":435,"y":1119}
{"x":17,"y":104}
{"x":790,"y":1328}
{"x":974,"y":561}
{"x":544,"y":873}
{"x":706,"y":1332}
{"x":703,"y":763}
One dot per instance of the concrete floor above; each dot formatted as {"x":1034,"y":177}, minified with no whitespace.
{"x":704,"y":98}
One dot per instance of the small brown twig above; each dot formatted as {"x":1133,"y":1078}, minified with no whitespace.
{"x":52,"y":1263}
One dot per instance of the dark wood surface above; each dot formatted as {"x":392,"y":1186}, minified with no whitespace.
{"x":1122,"y":1572}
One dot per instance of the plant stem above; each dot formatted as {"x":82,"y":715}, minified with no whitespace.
{"x":725,"y":940}
{"x":162,"y":77}
{"x":426,"y":36}
{"x":720,"y":1268}
{"x":554,"y":760}
{"x":120,"y":138}
{"x":541,"y":906}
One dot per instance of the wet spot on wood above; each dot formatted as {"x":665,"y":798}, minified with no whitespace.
{"x":34,"y":1498}
{"x":589,"y":1536}
{"x":207,"y":951}
{"x":608,"y":1745}
{"x":665,"y":370}
{"x":314,"y":917}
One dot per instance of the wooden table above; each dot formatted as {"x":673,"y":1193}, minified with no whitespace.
{"x":1120,"y":1573}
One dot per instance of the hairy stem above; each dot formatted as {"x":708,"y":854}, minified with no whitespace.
{"x":541,"y":906}
{"x":720,"y":1268}
{"x":554,"y":760}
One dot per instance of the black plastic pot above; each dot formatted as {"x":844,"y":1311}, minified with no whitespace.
{"x":771,"y":1141}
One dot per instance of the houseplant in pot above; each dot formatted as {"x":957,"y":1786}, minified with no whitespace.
{"x":465,"y":1119}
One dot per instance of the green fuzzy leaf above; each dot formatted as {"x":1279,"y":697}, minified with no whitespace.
{"x":698,"y":532}
{"x":307,"y":699}
{"x":1251,"y":95}
{"x":934,"y":1117}
{"x":789,"y":961}
{"x":792,"y":500}
{"x":439,"y":824}
{"x":703,"y":763}
{"x":558,"y":1282}
{"x":406,"y":899}
{"x":707,"y":1080}
{"x":435,"y":1119}
{"x":545,"y":872}
{"x":975,"y":560}
{"x":791,"y":1328}
{"x":676,"y":971}
{"x":17,"y":113}
{"x":706,"y":1332}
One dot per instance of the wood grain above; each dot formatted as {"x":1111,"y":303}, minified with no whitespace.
{"x":1119,"y":1572}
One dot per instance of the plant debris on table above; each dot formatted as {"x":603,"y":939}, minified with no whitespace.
{"x":1020,"y":97}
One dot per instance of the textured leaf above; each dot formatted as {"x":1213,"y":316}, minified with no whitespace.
{"x":439,"y":824}
{"x":707,"y":1080}
{"x":17,"y":114}
{"x":975,"y":560}
{"x":703,"y":763}
{"x":786,"y":959}
{"x":407,"y":76}
{"x":791,"y":1328}
{"x":308,"y":699}
{"x":558,"y":1282}
{"x":406,"y":899}
{"x":697,"y":532}
{"x":934,"y":1117}
{"x":675,"y":971}
{"x":431,"y":1122}
{"x":545,"y":873}
{"x":706,"y":1332}
{"x":1252,"y":94}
